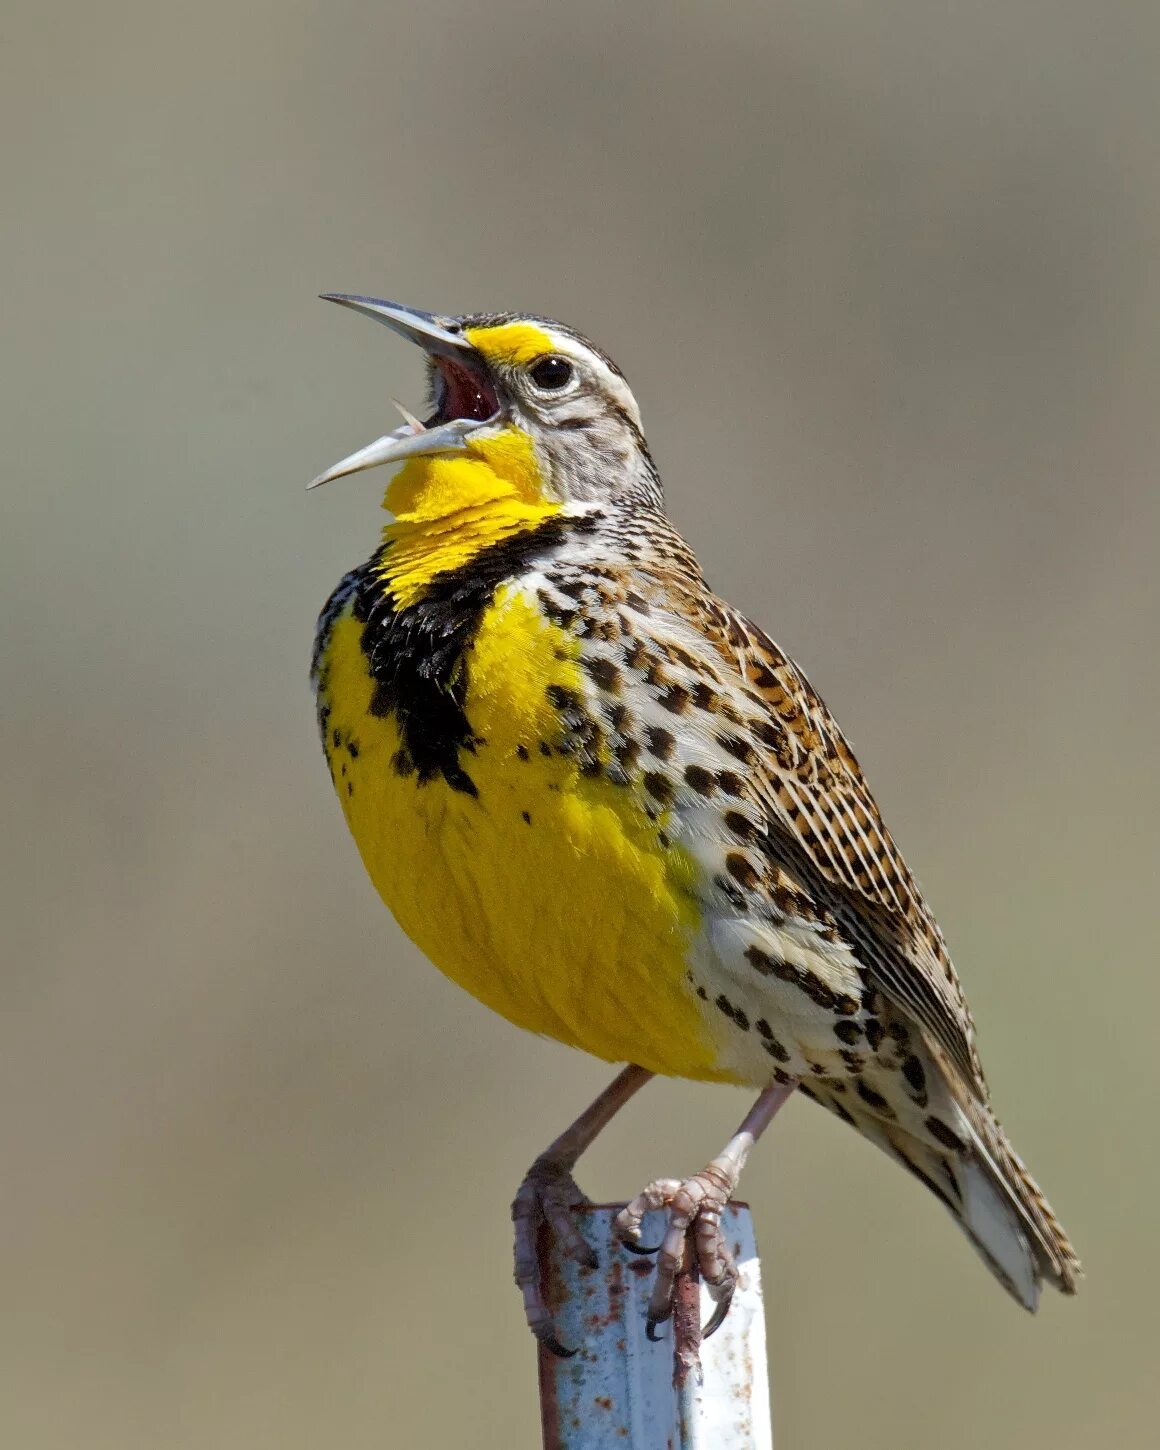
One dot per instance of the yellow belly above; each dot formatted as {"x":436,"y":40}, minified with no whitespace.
{"x":548,"y":895}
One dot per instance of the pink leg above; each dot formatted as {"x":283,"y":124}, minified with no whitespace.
{"x":548,"y":1194}
{"x":695,"y":1206}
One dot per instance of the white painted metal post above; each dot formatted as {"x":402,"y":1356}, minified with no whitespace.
{"x":622,"y":1392}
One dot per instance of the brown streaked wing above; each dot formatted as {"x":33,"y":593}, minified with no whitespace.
{"x":821,"y":812}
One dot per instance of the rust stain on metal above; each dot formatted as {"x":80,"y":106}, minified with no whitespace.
{"x":622,"y":1389}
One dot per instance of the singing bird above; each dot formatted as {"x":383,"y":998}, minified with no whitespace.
{"x":610,"y":807}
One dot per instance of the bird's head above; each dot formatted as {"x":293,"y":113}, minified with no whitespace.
{"x":521,"y":408}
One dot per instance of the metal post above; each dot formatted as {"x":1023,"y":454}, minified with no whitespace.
{"x":621,"y":1392}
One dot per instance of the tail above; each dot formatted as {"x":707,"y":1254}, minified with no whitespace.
{"x":1005,"y":1215}
{"x":976,"y":1174}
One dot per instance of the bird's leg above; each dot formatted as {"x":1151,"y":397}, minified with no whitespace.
{"x":548,"y":1195}
{"x":695,"y":1209}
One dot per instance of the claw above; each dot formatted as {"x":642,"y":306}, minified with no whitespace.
{"x":694,"y":1228}
{"x":547,"y":1197}
{"x":717,"y":1318}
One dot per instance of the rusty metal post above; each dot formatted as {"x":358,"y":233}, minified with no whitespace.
{"x":621,"y":1392}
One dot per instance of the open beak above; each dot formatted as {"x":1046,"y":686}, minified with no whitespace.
{"x":465,"y":396}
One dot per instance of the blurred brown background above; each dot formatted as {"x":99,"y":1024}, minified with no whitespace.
{"x":884,"y":278}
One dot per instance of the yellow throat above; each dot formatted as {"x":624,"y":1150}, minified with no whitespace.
{"x":449,"y":508}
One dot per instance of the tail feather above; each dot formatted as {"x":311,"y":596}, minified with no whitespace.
{"x":1006,"y":1215}
{"x":987,"y":1190}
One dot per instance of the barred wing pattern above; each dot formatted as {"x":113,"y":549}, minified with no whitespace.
{"x":823,"y":816}
{"x":825,"y":824}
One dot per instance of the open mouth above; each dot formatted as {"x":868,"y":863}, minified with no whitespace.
{"x":464,"y":396}
{"x":461,"y":389}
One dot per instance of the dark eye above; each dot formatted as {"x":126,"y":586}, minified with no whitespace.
{"x":551,"y":373}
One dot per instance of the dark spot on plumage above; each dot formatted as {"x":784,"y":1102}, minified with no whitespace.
{"x":741,"y":826}
{"x":875,"y":1032}
{"x":604,"y":672}
{"x":739,"y":1017}
{"x":350,"y":787}
{"x":637,"y":601}
{"x":760,"y":961}
{"x":674,"y":698}
{"x":661,"y":743}
{"x":845,"y":1004}
{"x":912,"y":1071}
{"x":562,"y":698}
{"x":419,"y":654}
{"x":545,"y":748}
{"x":458,"y":779}
{"x":847,"y":1031}
{"x":337,"y":738}
{"x":663,"y":840}
{"x":627,"y":752}
{"x":783,"y":1078}
{"x":777,"y":1050}
{"x":559,"y":614}
{"x":949,"y":1174}
{"x":742,"y":869}
{"x":344,"y":767}
{"x":522,"y":752}
{"x":401,"y":762}
{"x":767,"y":732}
{"x":731,"y":892}
{"x":704,"y":996}
{"x":699,"y":779}
{"x":898,"y":1030}
{"x":836,"y":1107}
{"x":730,"y":783}
{"x":618,"y":717}
{"x":925,"y":1177}
{"x":942,"y":1134}
{"x":854,"y":1061}
{"x":873,"y":1098}
{"x":635,"y":655}
{"x":526,"y":818}
{"x":737,"y":746}
{"x":705,"y":697}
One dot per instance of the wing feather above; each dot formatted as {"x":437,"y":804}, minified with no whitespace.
{"x":822,"y":815}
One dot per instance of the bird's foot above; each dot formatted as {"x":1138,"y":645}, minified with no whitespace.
{"x":547,"y":1195}
{"x":695,"y":1208}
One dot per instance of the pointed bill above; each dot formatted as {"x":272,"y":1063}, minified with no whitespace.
{"x":433,"y":334}
{"x":438,"y":337}
{"x":403,"y":443}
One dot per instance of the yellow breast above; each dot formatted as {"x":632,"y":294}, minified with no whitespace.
{"x":547,"y":894}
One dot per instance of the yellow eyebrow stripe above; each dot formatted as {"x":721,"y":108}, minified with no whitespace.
{"x":514,"y":343}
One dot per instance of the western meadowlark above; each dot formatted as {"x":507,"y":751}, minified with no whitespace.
{"x":613,"y":810}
